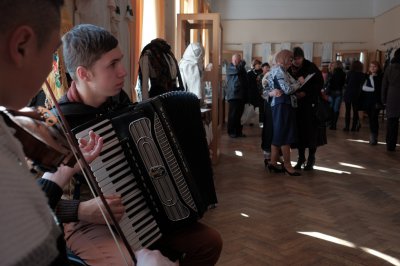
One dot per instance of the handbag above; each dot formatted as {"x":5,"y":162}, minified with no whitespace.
{"x":323,"y":112}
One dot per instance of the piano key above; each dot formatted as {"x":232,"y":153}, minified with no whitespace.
{"x":84,"y":133}
{"x":115,"y":178}
{"x":101,"y":160}
{"x":111,"y":172}
{"x":121,"y":187}
{"x":116,"y":165}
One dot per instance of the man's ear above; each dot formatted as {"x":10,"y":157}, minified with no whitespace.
{"x":22,"y":44}
{"x":83,"y":73}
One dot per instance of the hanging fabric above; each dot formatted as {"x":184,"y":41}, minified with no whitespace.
{"x":326,"y":52}
{"x":266,"y":52}
{"x":308,"y":48}
{"x":247,"y":53}
{"x":286,"y":46}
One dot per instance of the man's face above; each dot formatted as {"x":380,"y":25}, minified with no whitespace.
{"x":30,"y":75}
{"x":108,"y":74}
{"x":236,"y":60}
{"x":298,"y":61}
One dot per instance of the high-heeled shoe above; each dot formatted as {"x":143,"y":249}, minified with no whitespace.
{"x":300,"y":163}
{"x":291,"y":173}
{"x":274,"y":169}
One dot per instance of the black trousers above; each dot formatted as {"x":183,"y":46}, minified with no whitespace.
{"x":373,"y":117}
{"x":392,"y":133}
{"x":236,"y":108}
{"x":266,"y":135}
{"x":349,"y":106}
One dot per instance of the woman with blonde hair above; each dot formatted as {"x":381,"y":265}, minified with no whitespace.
{"x":283,"y":114}
{"x":334,"y":89}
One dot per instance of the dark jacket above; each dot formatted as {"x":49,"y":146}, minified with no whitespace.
{"x":371,"y":100}
{"x":253,"y":92}
{"x":79,"y":113}
{"x":335,"y":82}
{"x":308,"y":128}
{"x":236,"y":82}
{"x":313,"y":87}
{"x":354,"y":82}
{"x":391,"y":90}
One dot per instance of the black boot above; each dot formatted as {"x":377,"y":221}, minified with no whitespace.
{"x":356,"y":126}
{"x":334,"y":121}
{"x":300,"y":162}
{"x":373,"y":139}
{"x":311,"y":159}
{"x":301,"y":158}
{"x":310,"y":164}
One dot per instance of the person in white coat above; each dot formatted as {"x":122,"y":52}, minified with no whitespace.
{"x":191,"y":67}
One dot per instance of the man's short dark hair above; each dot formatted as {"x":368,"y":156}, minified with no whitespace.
{"x":42,"y":15}
{"x":84,"y":44}
{"x":298,"y":52}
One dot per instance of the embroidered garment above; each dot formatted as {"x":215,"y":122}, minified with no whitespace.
{"x":27,"y":227}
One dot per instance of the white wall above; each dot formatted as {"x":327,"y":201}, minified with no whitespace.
{"x":344,"y":34}
{"x":381,"y":6}
{"x":293,"y":9}
{"x":301,"y":9}
{"x":386,"y":28}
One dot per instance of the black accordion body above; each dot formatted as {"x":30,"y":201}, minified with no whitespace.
{"x":155,"y":155}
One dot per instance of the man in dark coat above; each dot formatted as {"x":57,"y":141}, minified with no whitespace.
{"x":310,"y":134}
{"x":236,"y":82}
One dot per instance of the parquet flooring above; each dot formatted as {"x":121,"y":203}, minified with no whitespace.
{"x":347,"y":212}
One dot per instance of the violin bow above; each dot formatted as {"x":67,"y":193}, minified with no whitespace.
{"x":94,"y":187}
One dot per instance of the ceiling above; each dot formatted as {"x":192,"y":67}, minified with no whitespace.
{"x":301,"y":9}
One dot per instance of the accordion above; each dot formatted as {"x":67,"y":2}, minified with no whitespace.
{"x":155,"y":155}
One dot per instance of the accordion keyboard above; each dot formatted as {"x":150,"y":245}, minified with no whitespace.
{"x":114,"y":176}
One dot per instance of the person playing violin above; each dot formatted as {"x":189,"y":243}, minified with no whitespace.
{"x":29,"y":34}
{"x":93,"y":60}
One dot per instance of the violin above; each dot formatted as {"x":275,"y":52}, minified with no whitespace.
{"x":43,"y":144}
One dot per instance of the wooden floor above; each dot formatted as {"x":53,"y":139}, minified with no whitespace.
{"x":347,"y":212}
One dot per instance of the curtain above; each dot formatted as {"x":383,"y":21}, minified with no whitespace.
{"x":308,"y":48}
{"x":326,"y":52}
{"x":266,"y":52}
{"x":136,"y":40}
{"x":286,"y":45}
{"x":247,"y":53}
{"x":160,"y":18}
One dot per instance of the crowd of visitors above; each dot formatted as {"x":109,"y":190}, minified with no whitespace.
{"x":288,"y":93}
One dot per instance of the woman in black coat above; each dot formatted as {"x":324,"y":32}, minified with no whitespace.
{"x":370,"y":99}
{"x":354,"y":81}
{"x":310,"y":135}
